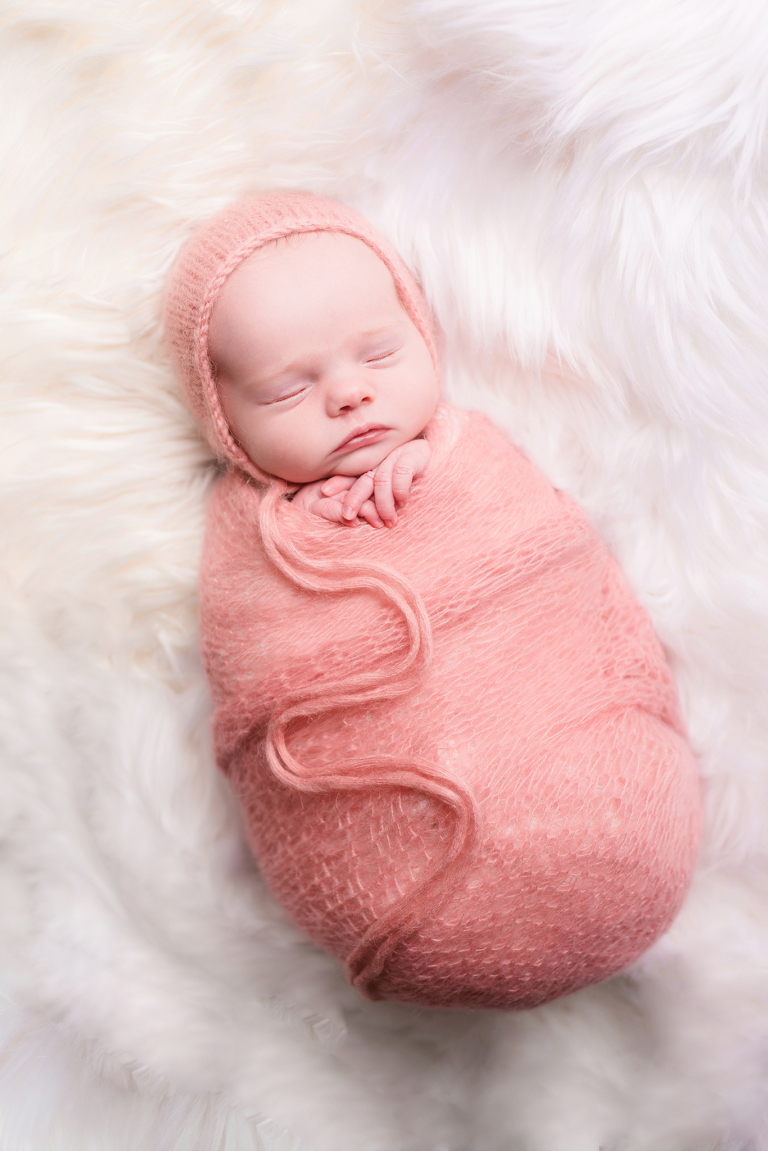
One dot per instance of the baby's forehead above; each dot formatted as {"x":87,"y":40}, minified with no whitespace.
{"x":302,"y":288}
{"x":302,"y":267}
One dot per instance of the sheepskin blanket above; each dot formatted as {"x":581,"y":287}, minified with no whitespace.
{"x":581,"y":187}
{"x":456,"y":744}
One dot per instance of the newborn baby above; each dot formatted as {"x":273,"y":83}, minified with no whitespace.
{"x":455,"y":743}
{"x":321,"y":372}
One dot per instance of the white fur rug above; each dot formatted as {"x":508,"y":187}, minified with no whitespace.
{"x":582,"y":186}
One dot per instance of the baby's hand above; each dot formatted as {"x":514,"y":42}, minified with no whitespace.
{"x":376,"y":495}
{"x":310,"y":498}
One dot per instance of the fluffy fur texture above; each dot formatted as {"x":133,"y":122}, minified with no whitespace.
{"x":457,"y":746}
{"x":582,"y":189}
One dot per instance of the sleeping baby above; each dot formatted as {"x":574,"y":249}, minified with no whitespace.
{"x":455,"y":743}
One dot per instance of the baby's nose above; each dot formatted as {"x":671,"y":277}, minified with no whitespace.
{"x":348,"y":393}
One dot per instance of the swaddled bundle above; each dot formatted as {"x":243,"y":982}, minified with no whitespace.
{"x":456,"y":745}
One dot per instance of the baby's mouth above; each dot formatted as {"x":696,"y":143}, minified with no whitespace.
{"x":368,"y":434}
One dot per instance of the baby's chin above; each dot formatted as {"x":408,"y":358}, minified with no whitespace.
{"x":353,"y":463}
{"x":369,"y":457}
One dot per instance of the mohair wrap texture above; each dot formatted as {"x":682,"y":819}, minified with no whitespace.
{"x":456,"y":745}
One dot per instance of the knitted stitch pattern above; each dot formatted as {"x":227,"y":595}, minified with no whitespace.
{"x":456,"y":744}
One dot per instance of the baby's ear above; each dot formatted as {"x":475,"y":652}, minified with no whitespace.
{"x":220,"y":378}
{"x":216,"y":372}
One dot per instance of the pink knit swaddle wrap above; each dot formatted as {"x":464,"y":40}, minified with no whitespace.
{"x":456,"y":744}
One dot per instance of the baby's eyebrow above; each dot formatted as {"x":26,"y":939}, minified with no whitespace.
{"x":291,"y":367}
{"x":385,"y":329}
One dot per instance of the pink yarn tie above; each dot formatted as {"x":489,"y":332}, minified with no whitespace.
{"x":407,"y":913}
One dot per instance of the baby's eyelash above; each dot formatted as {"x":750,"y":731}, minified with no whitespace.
{"x":383,"y":356}
{"x":292,"y":395}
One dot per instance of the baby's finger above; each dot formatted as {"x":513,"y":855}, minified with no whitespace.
{"x":385,"y":501}
{"x":357,"y":495}
{"x":402,"y":478}
{"x":337,"y":484}
{"x":330,"y":509}
{"x":370,"y":515}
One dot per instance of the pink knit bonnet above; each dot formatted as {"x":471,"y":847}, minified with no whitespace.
{"x":212,"y":255}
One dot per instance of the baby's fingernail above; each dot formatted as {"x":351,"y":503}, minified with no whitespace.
{"x":348,"y":513}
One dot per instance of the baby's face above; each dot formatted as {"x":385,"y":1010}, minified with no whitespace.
{"x":320,"y":369}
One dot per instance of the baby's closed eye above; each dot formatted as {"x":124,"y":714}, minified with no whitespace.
{"x":281,"y":391}
{"x":288,"y":396}
{"x":378,"y":357}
